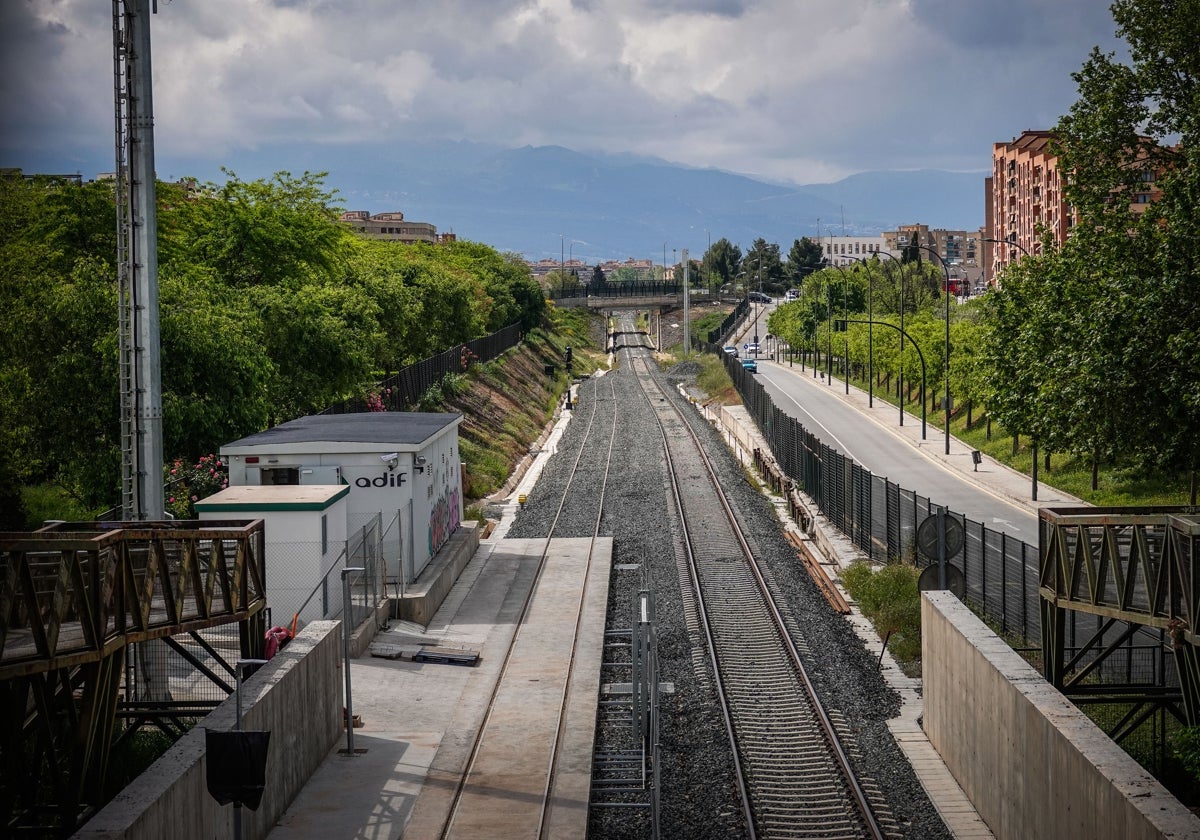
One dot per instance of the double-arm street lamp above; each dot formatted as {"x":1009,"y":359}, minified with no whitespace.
{"x":920,"y":356}
{"x":845,"y":312}
{"x":946,"y":371}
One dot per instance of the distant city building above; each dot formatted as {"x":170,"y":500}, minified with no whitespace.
{"x":392,"y":226}
{"x":613,"y":269}
{"x":844,"y":250}
{"x":960,"y":249}
{"x":642,"y":269}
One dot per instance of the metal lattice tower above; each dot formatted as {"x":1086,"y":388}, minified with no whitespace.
{"x":137,"y":264}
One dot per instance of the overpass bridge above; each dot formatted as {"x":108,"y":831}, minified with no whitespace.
{"x":74,"y":600}
{"x":612,"y":297}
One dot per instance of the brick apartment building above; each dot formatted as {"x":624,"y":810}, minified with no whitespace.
{"x":1025,"y":199}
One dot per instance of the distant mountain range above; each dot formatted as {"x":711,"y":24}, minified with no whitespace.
{"x":536,"y":200}
{"x":542,"y":201}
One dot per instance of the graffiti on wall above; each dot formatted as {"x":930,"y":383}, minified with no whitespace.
{"x":444,"y":519}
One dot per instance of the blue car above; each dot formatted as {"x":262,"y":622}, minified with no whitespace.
{"x":750,"y":365}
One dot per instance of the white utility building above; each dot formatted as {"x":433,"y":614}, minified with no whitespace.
{"x":402,"y":472}
{"x":304,"y":535}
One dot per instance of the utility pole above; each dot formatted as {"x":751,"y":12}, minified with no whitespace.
{"x":140,"y":360}
{"x":687,"y":323}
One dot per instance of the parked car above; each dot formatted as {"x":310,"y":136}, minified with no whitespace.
{"x":750,"y":365}
{"x":760,"y":297}
{"x":731,"y":349}
{"x":791,"y":294}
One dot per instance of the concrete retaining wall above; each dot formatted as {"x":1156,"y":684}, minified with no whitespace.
{"x":422,"y":598}
{"x":297,"y":696}
{"x":1033,"y":765}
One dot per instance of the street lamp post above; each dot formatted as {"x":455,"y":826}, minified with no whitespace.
{"x":828,"y":335}
{"x":845,"y":311}
{"x":900,"y":376}
{"x":920,"y":356}
{"x":1012,"y":243}
{"x":946,"y":372}
{"x":870,"y":332}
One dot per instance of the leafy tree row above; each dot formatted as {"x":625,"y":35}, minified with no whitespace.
{"x":880,"y":291}
{"x":1093,"y":347}
{"x":270,"y":308}
{"x":724,"y":265}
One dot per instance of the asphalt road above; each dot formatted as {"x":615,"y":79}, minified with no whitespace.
{"x":879,"y":448}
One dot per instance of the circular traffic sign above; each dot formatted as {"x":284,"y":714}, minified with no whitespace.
{"x":928,"y":581}
{"x":927,"y":536}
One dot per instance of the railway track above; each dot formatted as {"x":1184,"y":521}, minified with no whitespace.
{"x":592,"y":462}
{"x":795,"y":778}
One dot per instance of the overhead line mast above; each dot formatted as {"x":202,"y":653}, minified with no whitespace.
{"x":140,"y":361}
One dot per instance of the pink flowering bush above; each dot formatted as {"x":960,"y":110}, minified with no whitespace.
{"x":187,"y":484}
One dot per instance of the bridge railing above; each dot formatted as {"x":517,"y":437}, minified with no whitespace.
{"x":70,"y":593}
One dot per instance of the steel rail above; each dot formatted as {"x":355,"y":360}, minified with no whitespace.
{"x":861,"y":803}
{"x":478,"y":740}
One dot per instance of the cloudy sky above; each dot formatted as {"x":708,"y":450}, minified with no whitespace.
{"x":792,"y":90}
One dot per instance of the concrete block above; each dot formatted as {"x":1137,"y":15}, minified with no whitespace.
{"x":1032,"y":764}
{"x":296,"y":697}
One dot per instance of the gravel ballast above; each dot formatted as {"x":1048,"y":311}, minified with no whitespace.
{"x":697,"y":793}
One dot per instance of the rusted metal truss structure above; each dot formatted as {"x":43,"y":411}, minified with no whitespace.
{"x":1133,"y":569}
{"x":73,"y":598}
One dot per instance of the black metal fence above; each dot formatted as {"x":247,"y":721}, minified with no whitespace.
{"x":1000,"y":572}
{"x":403,"y":390}
{"x":881,"y":518}
{"x":714,"y":336}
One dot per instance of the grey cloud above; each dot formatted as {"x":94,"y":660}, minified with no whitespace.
{"x":1003,"y":25}
{"x":720,"y":8}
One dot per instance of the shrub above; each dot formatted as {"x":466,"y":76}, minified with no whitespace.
{"x":889,"y":598}
{"x":187,"y":484}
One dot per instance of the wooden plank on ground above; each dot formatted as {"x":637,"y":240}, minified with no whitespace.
{"x":817,"y":572}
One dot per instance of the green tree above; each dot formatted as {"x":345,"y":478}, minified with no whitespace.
{"x":261,"y":232}
{"x":1134,"y":131}
{"x":268,"y":309}
{"x":599,"y":280}
{"x":217,"y":372}
{"x":763,"y":266}
{"x":803,"y":258}
{"x":721,"y":263}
